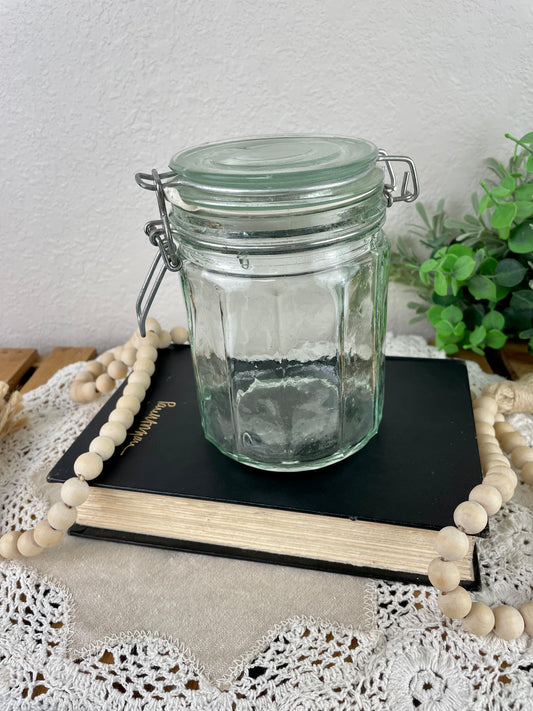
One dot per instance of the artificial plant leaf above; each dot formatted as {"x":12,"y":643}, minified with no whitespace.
{"x":478,"y":335}
{"x":488,"y":266}
{"x":482,"y":288}
{"x":444,"y":328}
{"x":501,"y":292}
{"x":522,"y":299}
{"x":441,"y":285}
{"x":500,"y":192}
{"x":453,"y":314}
{"x":463,"y":267}
{"x":495,"y":339}
{"x":509,"y":272}
{"x":509,"y":183}
{"x":422,"y":212}
{"x":524,"y":209}
{"x":521,"y":238}
{"x":429,"y":265}
{"x":503,"y":215}
{"x":448,"y":262}
{"x":528,"y":138}
{"x":493,"y":320}
{"x":434,"y":314}
{"x":524,"y":192}
{"x":450,"y":348}
{"x":460,"y":250}
{"x":528,"y":333}
{"x":529,"y":164}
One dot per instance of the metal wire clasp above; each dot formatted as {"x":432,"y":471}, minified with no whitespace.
{"x":160,"y":234}
{"x":388,"y":189}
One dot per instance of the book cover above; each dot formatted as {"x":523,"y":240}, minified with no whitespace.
{"x":409,"y":478}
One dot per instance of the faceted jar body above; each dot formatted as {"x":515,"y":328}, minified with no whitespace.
{"x":287,"y":335}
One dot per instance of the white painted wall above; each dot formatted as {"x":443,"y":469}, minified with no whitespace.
{"x":93,"y":91}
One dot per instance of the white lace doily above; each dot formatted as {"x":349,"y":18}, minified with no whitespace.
{"x":413,"y":659}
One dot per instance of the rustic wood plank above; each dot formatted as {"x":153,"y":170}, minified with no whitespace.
{"x":15,"y":363}
{"x":54,"y":361}
{"x":517,"y":359}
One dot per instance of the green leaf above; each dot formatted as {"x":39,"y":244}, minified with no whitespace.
{"x":422,"y":212}
{"x":522,"y":299}
{"x":477,"y":350}
{"x":503,"y":215}
{"x":509,"y":272}
{"x":429,"y":265}
{"x":450,"y":348}
{"x":488,"y":266}
{"x":528,"y":138}
{"x":463,"y":267}
{"x":460,"y":250}
{"x":453,"y":314}
{"x":459,"y":329}
{"x":482,"y":288}
{"x":434,"y":314}
{"x":524,"y":192}
{"x":521,"y":238}
{"x":478,"y":335}
{"x":495,"y":338}
{"x":447,"y":264}
{"x":503,"y":233}
{"x":529,"y":164}
{"x":524,"y":209}
{"x":501,"y":292}
{"x":424,"y":277}
{"x":493,"y":320}
{"x":441,"y":285}
{"x":444,"y":329}
{"x":500,"y":192}
{"x":528,"y":333}
{"x":509,"y":183}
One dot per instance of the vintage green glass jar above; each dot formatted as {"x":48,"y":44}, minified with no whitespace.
{"x":284,"y":266}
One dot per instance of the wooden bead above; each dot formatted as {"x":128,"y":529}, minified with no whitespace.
{"x":486,"y":450}
{"x":443,"y":574}
{"x":470,"y":516}
{"x":451,"y":544}
{"x":512,"y":440}
{"x":144,"y":365}
{"x":84,"y":377}
{"x":75,"y":393}
{"x":179,"y":334}
{"x":493,"y":460}
{"x":141,"y":378}
{"x":94,"y":367}
{"x":151,"y":339}
{"x":527,"y":473}
{"x":498,"y":468}
{"x":488,"y":439}
{"x":128,"y":355}
{"x":27,"y":545}
{"x":152,"y":324}
{"x":103,"y":446}
{"x":8,"y":545}
{"x":74,"y":492}
{"x":486,"y":403}
{"x":502,"y":483}
{"x":526,"y":610}
{"x":499,"y":417}
{"x":502,"y":428}
{"x":488,"y":496}
{"x":521,"y":456}
{"x":128,"y":402}
{"x":483,"y":428}
{"x":89,"y":392}
{"x":117,"y":369}
{"x":61,"y":516}
{"x":482,"y":415}
{"x":165,"y":339}
{"x":148,"y":352}
{"x":122,"y":415}
{"x":115,"y":431}
{"x":117,"y":353}
{"x":480,"y":619}
{"x":136,"y":390}
{"x":46,"y":536}
{"x":455,"y":604}
{"x":106,"y":358}
{"x":88,"y":465}
{"x":508,"y":622}
{"x":105,"y":383}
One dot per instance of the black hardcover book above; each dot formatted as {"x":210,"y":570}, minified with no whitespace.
{"x":374,"y":513}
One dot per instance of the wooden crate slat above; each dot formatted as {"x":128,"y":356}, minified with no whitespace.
{"x":54,"y":361}
{"x":516,"y":359}
{"x":15,"y":363}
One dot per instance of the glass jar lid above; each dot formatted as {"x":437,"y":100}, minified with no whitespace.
{"x":274,"y":173}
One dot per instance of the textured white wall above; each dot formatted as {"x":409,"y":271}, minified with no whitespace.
{"x":93,"y":91}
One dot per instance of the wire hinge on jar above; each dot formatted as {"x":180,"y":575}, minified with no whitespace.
{"x":405,"y":195}
{"x":161,"y":235}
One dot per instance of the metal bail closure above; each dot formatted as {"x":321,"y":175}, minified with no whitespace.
{"x":388,"y":189}
{"x":160,"y":234}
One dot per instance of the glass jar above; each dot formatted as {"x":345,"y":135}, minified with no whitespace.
{"x":284,"y":268}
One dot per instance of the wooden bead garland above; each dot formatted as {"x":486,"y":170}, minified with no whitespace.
{"x":98,"y":377}
{"x":470,"y":517}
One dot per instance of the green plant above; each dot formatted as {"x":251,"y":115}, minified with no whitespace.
{"x":476,"y":284}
